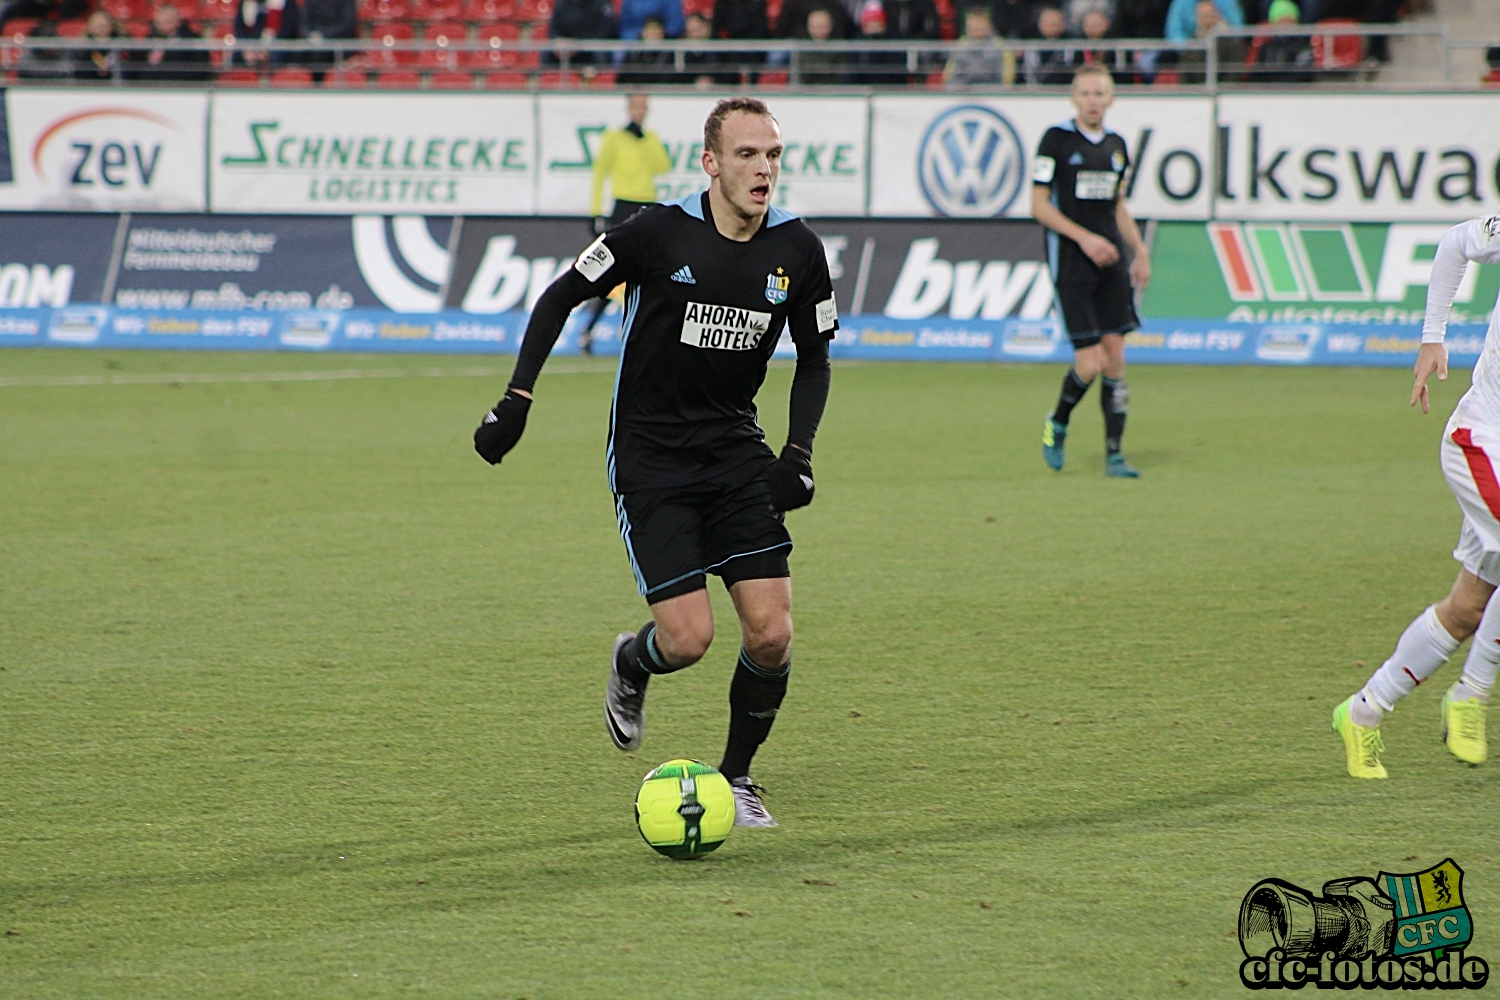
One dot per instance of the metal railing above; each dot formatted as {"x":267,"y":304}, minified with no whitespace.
{"x":1303,"y":55}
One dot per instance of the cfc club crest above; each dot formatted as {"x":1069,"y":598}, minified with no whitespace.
{"x":776,"y":286}
{"x":1393,"y":932}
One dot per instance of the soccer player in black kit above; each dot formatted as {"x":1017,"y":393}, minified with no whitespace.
{"x":710,"y":282}
{"x":1078,"y":193}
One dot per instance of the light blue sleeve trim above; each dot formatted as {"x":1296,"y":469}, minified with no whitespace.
{"x":692,"y":204}
{"x":776,"y":216}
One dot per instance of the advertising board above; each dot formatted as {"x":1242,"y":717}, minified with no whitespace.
{"x":111,"y":150}
{"x":347,"y":154}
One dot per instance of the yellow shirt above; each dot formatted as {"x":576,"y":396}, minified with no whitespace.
{"x":631,"y":165}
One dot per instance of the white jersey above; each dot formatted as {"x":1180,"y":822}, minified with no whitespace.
{"x":1476,"y":240}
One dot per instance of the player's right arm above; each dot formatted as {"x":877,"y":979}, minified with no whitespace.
{"x":1043,"y":175}
{"x":1478,"y":240}
{"x":608,"y":261}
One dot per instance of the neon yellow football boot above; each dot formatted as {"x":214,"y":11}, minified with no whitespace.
{"x":1362,"y":746}
{"x":1463,"y":728}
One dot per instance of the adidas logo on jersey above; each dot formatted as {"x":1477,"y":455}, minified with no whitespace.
{"x":684,"y":274}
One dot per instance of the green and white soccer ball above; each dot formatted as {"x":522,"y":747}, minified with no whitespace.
{"x":684,"y":809}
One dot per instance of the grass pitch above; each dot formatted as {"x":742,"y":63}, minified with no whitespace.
{"x":301,"y":699}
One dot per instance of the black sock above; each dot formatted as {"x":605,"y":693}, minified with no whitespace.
{"x":639,"y":658}
{"x":1073,"y":390}
{"x":754,"y":697}
{"x":1114,"y":399}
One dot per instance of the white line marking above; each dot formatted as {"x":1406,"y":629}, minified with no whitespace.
{"x":327,"y":375}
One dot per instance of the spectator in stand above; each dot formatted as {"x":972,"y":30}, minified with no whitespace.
{"x":1283,"y":58}
{"x":792,"y":21}
{"x":647,"y":68}
{"x":633,"y":14}
{"x":1192,"y":63}
{"x":876,"y":69}
{"x":1095,"y":29}
{"x":326,"y":20}
{"x":1183,"y":19}
{"x":100,"y":65}
{"x":741,"y":19}
{"x":819,"y":66}
{"x":1049,"y":66}
{"x":1014,"y":18}
{"x":913,"y":20}
{"x":44,"y":10}
{"x":1140,"y":18}
{"x":581,"y":19}
{"x":266,"y":20}
{"x":167,"y":61}
{"x":979,"y":59}
{"x":1074,"y":11}
{"x":701,"y":66}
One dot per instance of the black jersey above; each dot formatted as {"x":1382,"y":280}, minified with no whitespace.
{"x":1086,"y":177}
{"x":703,"y":314}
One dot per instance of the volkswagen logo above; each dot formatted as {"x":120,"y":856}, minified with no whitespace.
{"x":971,"y":163}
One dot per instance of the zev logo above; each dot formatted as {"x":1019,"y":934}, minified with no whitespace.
{"x":970,"y":163}
{"x":90,"y":159}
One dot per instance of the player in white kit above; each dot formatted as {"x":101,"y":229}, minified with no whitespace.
{"x":1470,"y":452}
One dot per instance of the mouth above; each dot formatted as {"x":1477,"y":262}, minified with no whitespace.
{"x":760,"y":192}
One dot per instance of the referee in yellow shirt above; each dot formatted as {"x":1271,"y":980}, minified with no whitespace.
{"x":631,"y":159}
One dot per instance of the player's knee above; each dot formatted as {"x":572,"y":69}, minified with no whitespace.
{"x":685,"y":643}
{"x":769,"y":642}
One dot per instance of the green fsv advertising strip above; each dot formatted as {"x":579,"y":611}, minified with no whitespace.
{"x":1281,"y":272}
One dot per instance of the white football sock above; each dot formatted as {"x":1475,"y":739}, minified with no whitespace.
{"x":1423,"y":647}
{"x":1478,"y":677}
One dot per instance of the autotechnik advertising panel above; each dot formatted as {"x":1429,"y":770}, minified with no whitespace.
{"x":940,"y":289}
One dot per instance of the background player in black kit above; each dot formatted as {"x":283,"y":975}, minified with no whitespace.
{"x":710,"y":282}
{"x":1078,"y":193}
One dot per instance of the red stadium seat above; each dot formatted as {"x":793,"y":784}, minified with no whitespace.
{"x":71,"y":28}
{"x":216,"y":10}
{"x":603,"y":80}
{"x":773,"y":79}
{"x":1491,"y":79}
{"x":500,"y":54}
{"x":538,"y":31}
{"x":504,"y":81}
{"x":451,"y":81}
{"x":126,"y":10}
{"x":560,"y":81}
{"x":1344,"y":52}
{"x":447,"y":37}
{"x":19,"y":27}
{"x":398,"y":81}
{"x":437,"y":10}
{"x":380,"y":11}
{"x":348,"y":79}
{"x":389,"y":35}
{"x":704,"y":8}
{"x":533,"y":10}
{"x":239,"y":78}
{"x":484,"y":11}
{"x":292,"y":78}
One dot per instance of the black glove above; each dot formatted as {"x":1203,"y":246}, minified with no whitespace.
{"x":501,"y":428}
{"x":791,"y":480}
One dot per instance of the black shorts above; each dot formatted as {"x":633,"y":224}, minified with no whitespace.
{"x":1094,"y":301}
{"x":675,"y":537}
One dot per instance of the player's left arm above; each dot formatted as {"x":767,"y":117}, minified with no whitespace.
{"x":813,"y":320}
{"x":1140,"y":262}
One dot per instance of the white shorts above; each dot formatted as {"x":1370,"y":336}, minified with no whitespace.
{"x":1471,"y":445}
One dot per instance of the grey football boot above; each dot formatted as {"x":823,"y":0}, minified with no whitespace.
{"x":624,"y":703}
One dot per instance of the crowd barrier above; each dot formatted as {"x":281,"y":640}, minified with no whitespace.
{"x":1258,"y":292}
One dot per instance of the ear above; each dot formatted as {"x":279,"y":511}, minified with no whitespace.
{"x":710,"y":163}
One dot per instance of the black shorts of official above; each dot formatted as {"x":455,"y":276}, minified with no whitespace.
{"x":1095,"y":301}
{"x":675,"y":537}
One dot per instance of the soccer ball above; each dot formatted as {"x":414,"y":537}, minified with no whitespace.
{"x":684,"y":809}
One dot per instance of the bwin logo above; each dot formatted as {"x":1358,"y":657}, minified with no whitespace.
{"x":970,"y":163}
{"x":414,"y":287}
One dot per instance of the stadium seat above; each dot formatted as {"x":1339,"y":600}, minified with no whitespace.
{"x":138,"y":29}
{"x":538,"y":31}
{"x":560,"y":81}
{"x":504,"y":81}
{"x":19,"y":27}
{"x":433,"y":11}
{"x":1345,"y":51}
{"x":126,"y":10}
{"x":447,"y":37}
{"x":775,"y":78}
{"x":487,"y":11}
{"x":703,"y":8}
{"x":399,"y":80}
{"x":292,"y":78}
{"x":381,"y":11}
{"x":216,"y":10}
{"x":603,"y":80}
{"x":533,"y":10}
{"x":346,"y":80}
{"x":1491,"y":79}
{"x":71,"y":28}
{"x":451,"y":81}
{"x":388,"y":35}
{"x":500,"y":53}
{"x":1167,"y":78}
{"x":239,"y":78}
